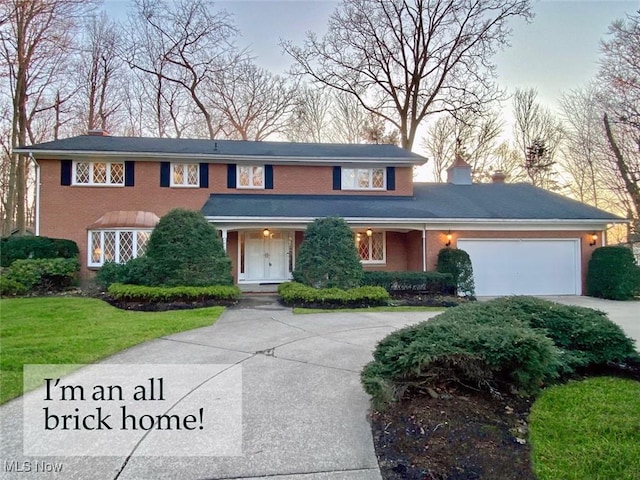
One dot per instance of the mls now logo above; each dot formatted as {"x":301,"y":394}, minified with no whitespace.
{"x":28,"y":467}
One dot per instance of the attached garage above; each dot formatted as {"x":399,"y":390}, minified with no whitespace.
{"x":524,"y":266}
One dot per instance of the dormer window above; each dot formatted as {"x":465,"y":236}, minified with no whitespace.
{"x":364,"y":179}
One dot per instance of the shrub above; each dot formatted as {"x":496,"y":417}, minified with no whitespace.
{"x":136,"y":271}
{"x":458,"y":264}
{"x":10,"y":287}
{"x":184,"y":249}
{"x":328,"y":256}
{"x":44,"y":273}
{"x":515,"y":343}
{"x":613,"y":274}
{"x":23,"y":248}
{"x":434,"y":283}
{"x":142,"y":293}
{"x":299,"y":295}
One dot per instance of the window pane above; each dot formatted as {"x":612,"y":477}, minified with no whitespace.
{"x":243,"y":176}
{"x":257,"y":176}
{"x":363,"y":178}
{"x":109,"y":246}
{"x":363,"y":247}
{"x":96,"y":249}
{"x":99,"y":172}
{"x":117,"y":173}
{"x":377,"y":246}
{"x":348,"y":178}
{"x":378,"y":178}
{"x":192,"y":174}
{"x":126,"y":246}
{"x":82,"y":172}
{"x":143,"y":240}
{"x":178,"y":174}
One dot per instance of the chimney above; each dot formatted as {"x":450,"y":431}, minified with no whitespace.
{"x":499,"y":176}
{"x":460,"y":172}
{"x":97,"y":132}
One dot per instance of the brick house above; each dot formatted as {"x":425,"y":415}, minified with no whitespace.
{"x":107,"y":193}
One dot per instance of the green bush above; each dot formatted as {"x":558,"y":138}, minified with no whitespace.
{"x":11,"y":288}
{"x":458,"y":264}
{"x":613,"y":274}
{"x":136,"y":271}
{"x":434,"y":283}
{"x":328,"y":256}
{"x":23,"y":248}
{"x":142,"y":293}
{"x":509,"y":343}
{"x":44,"y":273}
{"x":184,"y":249}
{"x":299,"y":295}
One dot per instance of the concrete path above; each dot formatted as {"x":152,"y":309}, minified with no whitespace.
{"x":304,"y":410}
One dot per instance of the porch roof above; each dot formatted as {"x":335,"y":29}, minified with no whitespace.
{"x":430,"y":201}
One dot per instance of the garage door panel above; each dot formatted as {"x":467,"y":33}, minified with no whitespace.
{"x":524,"y":267}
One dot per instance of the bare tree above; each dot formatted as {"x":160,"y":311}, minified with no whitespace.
{"x":253,"y":102}
{"x":35,"y":41}
{"x":348,"y":119}
{"x":310,"y":120}
{"x":186,"y":43}
{"x":405,"y":59}
{"x":537,"y":136}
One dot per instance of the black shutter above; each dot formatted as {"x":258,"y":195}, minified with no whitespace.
{"x":391,"y":178}
{"x":268,"y":177}
{"x":129,"y":174}
{"x":165,"y":173}
{"x":204,"y":175}
{"x":337,"y":178}
{"x":65,"y":172}
{"x":231,"y":175}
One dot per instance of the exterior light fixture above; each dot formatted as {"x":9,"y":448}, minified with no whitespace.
{"x":369,"y":232}
{"x":266,"y":232}
{"x":594,"y":239}
{"x":449,"y":237}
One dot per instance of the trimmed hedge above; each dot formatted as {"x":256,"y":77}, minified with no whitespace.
{"x":458,"y":264}
{"x":24,"y":276}
{"x":434,"y":283}
{"x":141,"y":293}
{"x":613,"y":274}
{"x":515,"y":343}
{"x":299,"y":295}
{"x":23,"y":248}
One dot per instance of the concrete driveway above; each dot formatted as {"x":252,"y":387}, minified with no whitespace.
{"x":303,"y":408}
{"x":304,"y":412}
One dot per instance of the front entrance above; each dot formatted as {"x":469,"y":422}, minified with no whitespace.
{"x":265,"y":256}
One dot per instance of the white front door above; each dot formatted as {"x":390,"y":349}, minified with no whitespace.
{"x":266,"y":257}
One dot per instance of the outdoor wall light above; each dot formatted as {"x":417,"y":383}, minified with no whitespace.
{"x":369,"y":232}
{"x":449,"y":237}
{"x":266,"y":232}
{"x":594,"y":239}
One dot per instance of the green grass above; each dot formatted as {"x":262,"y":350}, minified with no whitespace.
{"x":587,"y":430}
{"x":56,"y":330}
{"x":303,"y":310}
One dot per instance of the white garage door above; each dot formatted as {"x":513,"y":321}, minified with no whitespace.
{"x":524,"y":267}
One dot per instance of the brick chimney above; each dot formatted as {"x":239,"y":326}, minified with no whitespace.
{"x":498,"y":176}
{"x":460,"y":172}
{"x":97,"y":132}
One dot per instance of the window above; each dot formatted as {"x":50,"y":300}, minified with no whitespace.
{"x":98,"y":173}
{"x":371,"y":248}
{"x":118,"y":246}
{"x":185,"y":175}
{"x":250,"y":176}
{"x":363,"y":179}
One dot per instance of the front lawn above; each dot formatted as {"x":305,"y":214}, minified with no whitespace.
{"x":588,"y":429}
{"x":71,"y":330}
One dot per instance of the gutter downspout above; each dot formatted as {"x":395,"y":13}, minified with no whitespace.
{"x":37,"y":215}
{"x":424,"y":248}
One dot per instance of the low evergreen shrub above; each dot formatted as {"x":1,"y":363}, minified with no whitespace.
{"x":613,"y":274}
{"x":50,"y":274}
{"x":136,"y":271}
{"x":328,"y":257}
{"x":457,"y":263}
{"x":11,"y":288}
{"x":433,"y":283}
{"x":142,"y":293}
{"x":299,"y":295}
{"x":515,"y":343}
{"x":24,"y":248}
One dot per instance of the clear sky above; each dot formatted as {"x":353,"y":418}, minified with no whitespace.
{"x":556,"y":52}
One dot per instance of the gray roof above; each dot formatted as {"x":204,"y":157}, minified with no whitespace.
{"x":212,"y":149}
{"x":430,"y":201}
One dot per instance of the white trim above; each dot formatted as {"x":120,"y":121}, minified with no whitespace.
{"x":251,"y":186}
{"x":102,"y":231}
{"x":185,"y":175}
{"x":363,"y":235}
{"x":91,"y":183}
